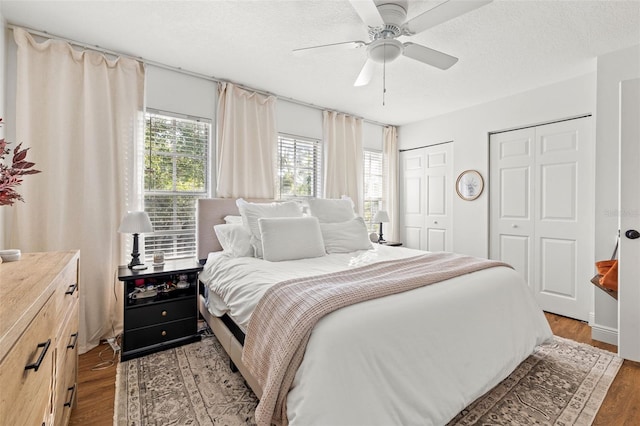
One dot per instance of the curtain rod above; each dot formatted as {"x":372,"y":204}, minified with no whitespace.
{"x":103,"y":50}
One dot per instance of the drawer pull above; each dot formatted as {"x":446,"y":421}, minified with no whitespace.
{"x":164,"y":313}
{"x":36,"y":364}
{"x":72,"y":289}
{"x":164,"y":333}
{"x":74,"y":336}
{"x":73,"y":393}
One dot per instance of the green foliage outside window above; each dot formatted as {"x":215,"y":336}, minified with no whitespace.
{"x":299,"y":167}
{"x":176,"y":175}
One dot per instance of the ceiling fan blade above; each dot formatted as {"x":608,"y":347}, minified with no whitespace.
{"x":441,"y":13}
{"x":429,"y":56}
{"x":365,"y":74}
{"x":333,"y":46}
{"x":368,"y":12}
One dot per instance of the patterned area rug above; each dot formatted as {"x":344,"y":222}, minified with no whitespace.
{"x":562,"y":383}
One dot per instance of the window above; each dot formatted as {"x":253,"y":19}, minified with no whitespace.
{"x":299,"y":167}
{"x":372,"y":187}
{"x":176,"y":175}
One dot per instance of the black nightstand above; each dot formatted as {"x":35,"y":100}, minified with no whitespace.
{"x":160,"y":307}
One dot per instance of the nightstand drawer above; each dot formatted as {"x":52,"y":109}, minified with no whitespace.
{"x":148,"y":336}
{"x":159,"y":313}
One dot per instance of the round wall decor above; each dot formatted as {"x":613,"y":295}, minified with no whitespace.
{"x":469,"y":185}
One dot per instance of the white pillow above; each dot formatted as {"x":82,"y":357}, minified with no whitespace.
{"x":235,"y":239}
{"x":345,"y":237}
{"x":233,"y":219}
{"x":291,"y":238}
{"x":331,"y":210}
{"x":251,"y":212}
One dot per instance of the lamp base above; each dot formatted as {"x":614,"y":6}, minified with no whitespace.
{"x":138,"y":267}
{"x":380,"y":239}
{"x":135,"y":254}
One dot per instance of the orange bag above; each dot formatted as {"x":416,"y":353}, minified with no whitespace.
{"x":607,"y":275}
{"x":609,"y":278}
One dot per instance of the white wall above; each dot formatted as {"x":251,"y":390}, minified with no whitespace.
{"x":469,"y":130}
{"x":300,"y":120}
{"x":612,"y":68}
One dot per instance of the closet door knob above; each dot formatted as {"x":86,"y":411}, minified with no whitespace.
{"x":632,"y":234}
{"x":514,"y":226}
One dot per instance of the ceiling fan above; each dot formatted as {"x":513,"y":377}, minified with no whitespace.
{"x":386,"y":20}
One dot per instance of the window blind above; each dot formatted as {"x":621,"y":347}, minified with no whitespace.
{"x":299,"y":167}
{"x":372,"y":187}
{"x":176,"y":175}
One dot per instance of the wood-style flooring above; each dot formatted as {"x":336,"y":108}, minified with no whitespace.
{"x":621,"y":407}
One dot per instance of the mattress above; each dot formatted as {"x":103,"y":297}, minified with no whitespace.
{"x":418,"y":357}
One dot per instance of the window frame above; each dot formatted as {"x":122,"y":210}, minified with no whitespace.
{"x":369,"y":212}
{"x":177,"y":249}
{"x":317,"y":169}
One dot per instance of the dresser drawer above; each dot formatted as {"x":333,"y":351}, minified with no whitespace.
{"x":148,"y":336}
{"x":67,"y":364}
{"x":66,"y":288}
{"x":25,"y":399}
{"x":159,"y":313}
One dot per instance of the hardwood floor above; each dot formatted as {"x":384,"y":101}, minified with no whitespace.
{"x":621,"y":407}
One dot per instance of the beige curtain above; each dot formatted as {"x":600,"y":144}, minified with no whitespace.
{"x":247,"y":141}
{"x":343,"y":157}
{"x":390,"y":200}
{"x":78,"y":112}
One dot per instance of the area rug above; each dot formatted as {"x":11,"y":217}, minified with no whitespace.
{"x":562,"y":383}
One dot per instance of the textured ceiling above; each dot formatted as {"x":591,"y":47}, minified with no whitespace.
{"x":505,"y":47}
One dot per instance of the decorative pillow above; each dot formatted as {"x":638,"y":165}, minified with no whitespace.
{"x":233,"y":219}
{"x":291,"y":238}
{"x":235,"y":239}
{"x":251,"y":212}
{"x":331,"y":210}
{"x":345,"y":237}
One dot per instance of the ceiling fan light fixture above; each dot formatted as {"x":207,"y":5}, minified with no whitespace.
{"x":384,"y":50}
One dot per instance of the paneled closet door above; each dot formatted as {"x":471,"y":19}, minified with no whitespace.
{"x":629,"y":221}
{"x":542,"y":208}
{"x":427,"y":188}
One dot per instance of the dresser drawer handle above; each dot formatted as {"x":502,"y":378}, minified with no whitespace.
{"x":73,"y":393}
{"x":164,"y":333}
{"x":74,"y":336}
{"x":36,"y":364}
{"x":164,"y":313}
{"x":72,"y":289}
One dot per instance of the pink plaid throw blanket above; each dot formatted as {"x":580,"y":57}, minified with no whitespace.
{"x":281,"y":324}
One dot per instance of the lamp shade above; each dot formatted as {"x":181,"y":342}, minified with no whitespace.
{"x":381,"y":216}
{"x":135,"y":223}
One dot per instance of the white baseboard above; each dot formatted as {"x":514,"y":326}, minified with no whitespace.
{"x":605,"y":334}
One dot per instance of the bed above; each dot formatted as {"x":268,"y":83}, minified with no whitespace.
{"x":414,"y":357}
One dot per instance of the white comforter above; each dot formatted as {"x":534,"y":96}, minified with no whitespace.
{"x":418,"y":357}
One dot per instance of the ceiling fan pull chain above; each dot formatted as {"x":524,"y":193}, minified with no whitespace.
{"x":384,"y":77}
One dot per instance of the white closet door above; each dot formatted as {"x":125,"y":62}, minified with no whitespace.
{"x":412,"y":206}
{"x":512,"y":173}
{"x":629,"y":259}
{"x":427,"y":188}
{"x":542,"y":211}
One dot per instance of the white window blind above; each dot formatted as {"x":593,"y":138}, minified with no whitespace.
{"x":372,"y":187}
{"x":299,"y":167}
{"x":176,"y":175}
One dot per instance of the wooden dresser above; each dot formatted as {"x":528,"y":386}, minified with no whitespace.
{"x":38,"y":338}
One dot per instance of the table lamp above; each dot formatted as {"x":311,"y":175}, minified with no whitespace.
{"x":135,"y":223}
{"x":381,"y":216}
